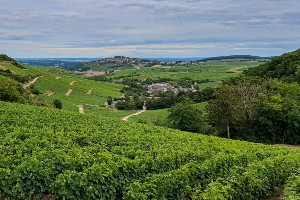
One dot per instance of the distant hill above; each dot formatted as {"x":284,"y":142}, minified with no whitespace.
{"x":116,"y":62}
{"x":285,"y":67}
{"x":55,"y":62}
{"x":235,"y":58}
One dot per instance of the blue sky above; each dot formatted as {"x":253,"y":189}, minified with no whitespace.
{"x":148,"y":28}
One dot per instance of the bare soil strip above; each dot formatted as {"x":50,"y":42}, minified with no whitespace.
{"x":72,"y":83}
{"x":30,"y":83}
{"x":58,"y":77}
{"x":2,"y":67}
{"x":80,"y":109}
{"x":68,"y":92}
{"x":49,"y":93}
{"x":235,"y":69}
{"x":89,"y":92}
{"x":290,"y":146}
{"x":134,"y":114}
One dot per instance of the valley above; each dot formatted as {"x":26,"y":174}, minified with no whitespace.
{"x":72,"y":143}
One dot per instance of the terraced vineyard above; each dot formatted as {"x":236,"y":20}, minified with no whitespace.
{"x":47,"y":153}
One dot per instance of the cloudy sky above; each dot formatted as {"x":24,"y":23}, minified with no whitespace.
{"x":148,"y":28}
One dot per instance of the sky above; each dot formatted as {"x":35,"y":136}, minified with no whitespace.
{"x":148,"y":28}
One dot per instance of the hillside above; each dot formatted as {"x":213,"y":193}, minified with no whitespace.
{"x":115,"y":63}
{"x":286,"y":67}
{"x":76,"y":93}
{"x":7,"y":59}
{"x":234,"y":58}
{"x":16,"y":83}
{"x":47,"y":153}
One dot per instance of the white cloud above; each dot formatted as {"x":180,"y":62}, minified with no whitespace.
{"x":148,"y":26}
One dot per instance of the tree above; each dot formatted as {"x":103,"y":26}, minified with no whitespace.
{"x":57,"y":103}
{"x":233,"y":107}
{"x":278,"y":114}
{"x":186,"y":117}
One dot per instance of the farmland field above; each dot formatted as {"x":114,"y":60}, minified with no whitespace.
{"x":214,"y":71}
{"x":59,"y":154}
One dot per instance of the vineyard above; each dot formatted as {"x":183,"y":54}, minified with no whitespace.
{"x":47,"y":153}
{"x":56,"y":83}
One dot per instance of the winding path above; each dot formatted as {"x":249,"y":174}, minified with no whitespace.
{"x":134,"y":114}
{"x":27,"y":85}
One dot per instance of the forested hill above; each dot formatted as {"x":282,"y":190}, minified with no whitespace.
{"x":286,"y":67}
{"x":235,"y":58}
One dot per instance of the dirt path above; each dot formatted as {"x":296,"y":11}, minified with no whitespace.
{"x":80,"y":109}
{"x":68,"y":92}
{"x":89,"y":92}
{"x":27,"y":85}
{"x":134,"y":114}
{"x":72,"y":83}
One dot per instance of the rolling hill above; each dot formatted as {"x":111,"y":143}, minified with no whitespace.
{"x":73,"y":91}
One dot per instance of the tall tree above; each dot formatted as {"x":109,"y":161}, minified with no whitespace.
{"x":233,"y":107}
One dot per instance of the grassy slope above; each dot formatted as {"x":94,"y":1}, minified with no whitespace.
{"x":151,"y":116}
{"x":65,"y":154}
{"x":58,"y":82}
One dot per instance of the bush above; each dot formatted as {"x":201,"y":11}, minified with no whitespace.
{"x":57,"y":103}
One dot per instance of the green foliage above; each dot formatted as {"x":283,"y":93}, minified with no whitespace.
{"x":285,"y":67}
{"x":17,"y":77}
{"x":72,"y":156}
{"x":278,"y":114}
{"x":186,"y":117}
{"x":109,"y":100}
{"x":11,"y":90}
{"x":292,"y":188}
{"x":234,"y":106}
{"x":57,"y":103}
